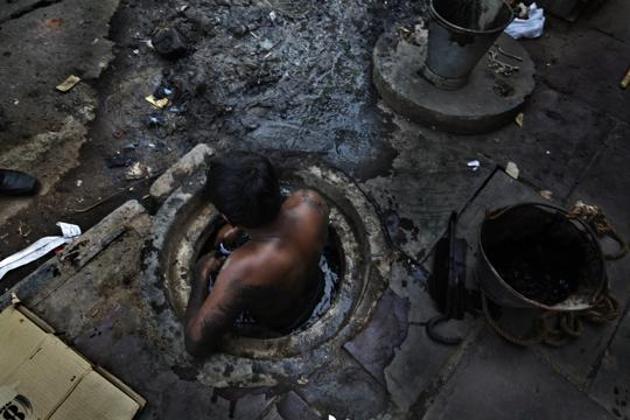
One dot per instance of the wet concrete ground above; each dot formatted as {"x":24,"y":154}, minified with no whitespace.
{"x":296,"y":84}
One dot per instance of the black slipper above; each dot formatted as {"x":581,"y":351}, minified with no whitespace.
{"x":17,"y":183}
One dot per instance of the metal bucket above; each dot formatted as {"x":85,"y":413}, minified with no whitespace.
{"x":514,"y":227}
{"x":460,"y":33}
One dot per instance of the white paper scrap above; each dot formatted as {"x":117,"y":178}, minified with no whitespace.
{"x":474,"y":164}
{"x":69,"y":230}
{"x":512,"y":170}
{"x":39,"y":248}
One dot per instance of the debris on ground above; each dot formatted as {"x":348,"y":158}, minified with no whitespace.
{"x":119,"y":160}
{"x":23,"y":230}
{"x":474,"y":165}
{"x":499,"y":66}
{"x":169,"y":43}
{"x":69,"y":83}
{"x":158,"y":103}
{"x":626,"y":80}
{"x":546,"y":194}
{"x":164,"y":90}
{"x":155,"y":120}
{"x":138,"y":171}
{"x":17,"y":183}
{"x":54,"y":23}
{"x":529,"y":27}
{"x":512,"y":170}
{"x":118,"y":133}
{"x":520,"y":119}
{"x":39,"y":248}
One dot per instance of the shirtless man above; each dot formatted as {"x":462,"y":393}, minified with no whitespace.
{"x":272,"y":275}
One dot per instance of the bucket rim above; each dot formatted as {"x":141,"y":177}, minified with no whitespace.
{"x":456,"y":28}
{"x":596,"y":293}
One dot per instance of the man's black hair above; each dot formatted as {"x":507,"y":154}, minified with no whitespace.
{"x":244,"y":187}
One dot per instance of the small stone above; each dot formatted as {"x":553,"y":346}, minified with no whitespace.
{"x":266,"y":45}
{"x":520,"y":119}
{"x":169,"y":43}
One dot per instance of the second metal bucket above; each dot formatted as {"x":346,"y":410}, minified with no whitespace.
{"x":521,"y":227}
{"x":460,"y":33}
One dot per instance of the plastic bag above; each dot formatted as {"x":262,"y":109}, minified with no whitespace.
{"x":528,"y":28}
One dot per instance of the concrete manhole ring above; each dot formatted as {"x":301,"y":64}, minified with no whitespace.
{"x":180,"y":228}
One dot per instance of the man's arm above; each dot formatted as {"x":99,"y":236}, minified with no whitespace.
{"x":209,"y":316}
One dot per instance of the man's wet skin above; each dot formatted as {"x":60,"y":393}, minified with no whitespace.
{"x":271,"y":276}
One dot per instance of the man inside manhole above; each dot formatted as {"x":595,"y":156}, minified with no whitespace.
{"x":272,"y":276}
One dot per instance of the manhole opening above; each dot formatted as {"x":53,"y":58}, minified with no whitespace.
{"x":329,"y":275}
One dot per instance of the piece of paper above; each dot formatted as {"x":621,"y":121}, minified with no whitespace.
{"x":512,"y":170}
{"x":69,"y":83}
{"x":474,"y":164}
{"x":43,"y":378}
{"x":158,"y":103}
{"x":532,"y":27}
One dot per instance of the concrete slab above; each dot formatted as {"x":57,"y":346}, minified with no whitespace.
{"x":421,"y":365}
{"x":429,"y":179}
{"x":345,"y":390}
{"x":559,"y":139}
{"x":496,"y":380}
{"x":605,"y":183}
{"x":607,"y":19}
{"x":292,"y":407}
{"x":585,"y":64}
{"x":488,"y":101}
{"x":604,"y":186}
{"x":610,"y":386}
{"x":374,"y":347}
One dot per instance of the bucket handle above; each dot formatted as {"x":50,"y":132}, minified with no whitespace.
{"x":595,"y":234}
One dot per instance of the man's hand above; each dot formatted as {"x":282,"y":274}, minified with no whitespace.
{"x":228,"y":234}
{"x":207,"y":265}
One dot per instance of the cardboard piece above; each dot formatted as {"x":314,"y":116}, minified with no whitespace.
{"x":42,"y":378}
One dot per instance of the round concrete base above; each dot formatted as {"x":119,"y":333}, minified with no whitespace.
{"x":488,"y":101}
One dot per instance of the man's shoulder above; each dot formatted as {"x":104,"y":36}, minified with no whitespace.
{"x":311,"y":199}
{"x":250,"y":269}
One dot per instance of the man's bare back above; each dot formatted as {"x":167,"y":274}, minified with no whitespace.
{"x":271,"y":276}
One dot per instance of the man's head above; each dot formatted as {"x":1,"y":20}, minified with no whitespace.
{"x":244,"y":187}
